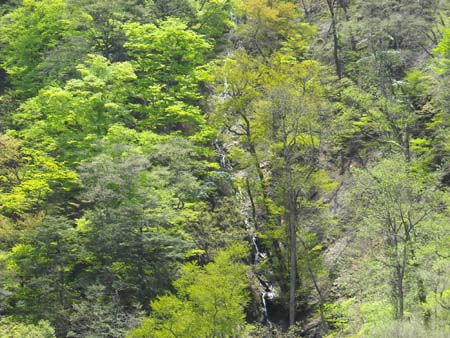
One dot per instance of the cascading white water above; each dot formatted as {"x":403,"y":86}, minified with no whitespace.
{"x":268,"y":290}
{"x":257,"y":252}
{"x":222,"y":155}
{"x":264,"y":296}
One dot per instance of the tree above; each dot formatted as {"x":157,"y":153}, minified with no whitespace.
{"x":209,"y":302}
{"x":336,"y":43}
{"x":12,"y":329}
{"x":213,"y":19}
{"x":99,"y":315}
{"x":267,"y":26}
{"x":40,"y":266}
{"x":269,"y":112}
{"x":29,"y":178}
{"x":239,"y":87}
{"x":32,"y":31}
{"x":106,"y":33}
{"x":399,"y":202}
{"x":66,"y":120}
{"x":167,"y":58}
{"x":183,"y":9}
{"x":366,"y":123}
{"x":438,"y":90}
{"x":136,"y":190}
{"x":396,"y":32}
{"x":294,"y":98}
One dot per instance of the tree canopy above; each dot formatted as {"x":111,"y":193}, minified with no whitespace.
{"x":224,"y":168}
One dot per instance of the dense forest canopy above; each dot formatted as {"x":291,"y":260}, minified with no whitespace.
{"x":224,"y":168}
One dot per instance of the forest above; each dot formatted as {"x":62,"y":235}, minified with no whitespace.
{"x":224,"y":168}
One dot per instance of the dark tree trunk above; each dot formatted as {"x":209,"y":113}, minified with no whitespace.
{"x":336,"y":47}
{"x":292,"y":219}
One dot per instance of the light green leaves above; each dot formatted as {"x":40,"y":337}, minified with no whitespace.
{"x":12,"y":329}
{"x":69,"y":119}
{"x":209,"y":303}
{"x":167,"y":58}
{"x":31,"y":31}
{"x":28,"y":177}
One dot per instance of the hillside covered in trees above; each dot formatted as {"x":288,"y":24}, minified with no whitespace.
{"x":224,"y":168}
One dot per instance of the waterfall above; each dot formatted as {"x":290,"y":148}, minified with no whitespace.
{"x":267,"y":292}
{"x":266,"y":295}
{"x":222,"y":151}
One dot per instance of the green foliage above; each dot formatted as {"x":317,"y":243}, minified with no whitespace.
{"x":438,"y":91}
{"x":28,"y":178}
{"x":443,"y":50}
{"x":39,"y":267}
{"x":167,"y":58}
{"x":404,"y":330}
{"x":215,"y":225}
{"x":372,"y":320}
{"x":163,"y":9}
{"x":67,"y":120}
{"x":213,"y":18}
{"x":140,"y":135}
{"x":99,"y":315}
{"x":32,"y":31}
{"x":270,"y":109}
{"x":106,"y":34}
{"x":400,"y":213}
{"x":139,"y":186}
{"x":270,"y":25}
{"x":12,"y":329}
{"x":387,"y":39}
{"x":210,"y":301}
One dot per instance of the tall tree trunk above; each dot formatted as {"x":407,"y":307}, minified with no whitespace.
{"x":264,"y":189}
{"x":336,"y":47}
{"x":292,"y":222}
{"x":400,"y":299}
{"x":316,"y":286}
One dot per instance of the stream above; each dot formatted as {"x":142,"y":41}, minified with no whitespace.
{"x":267,"y":292}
